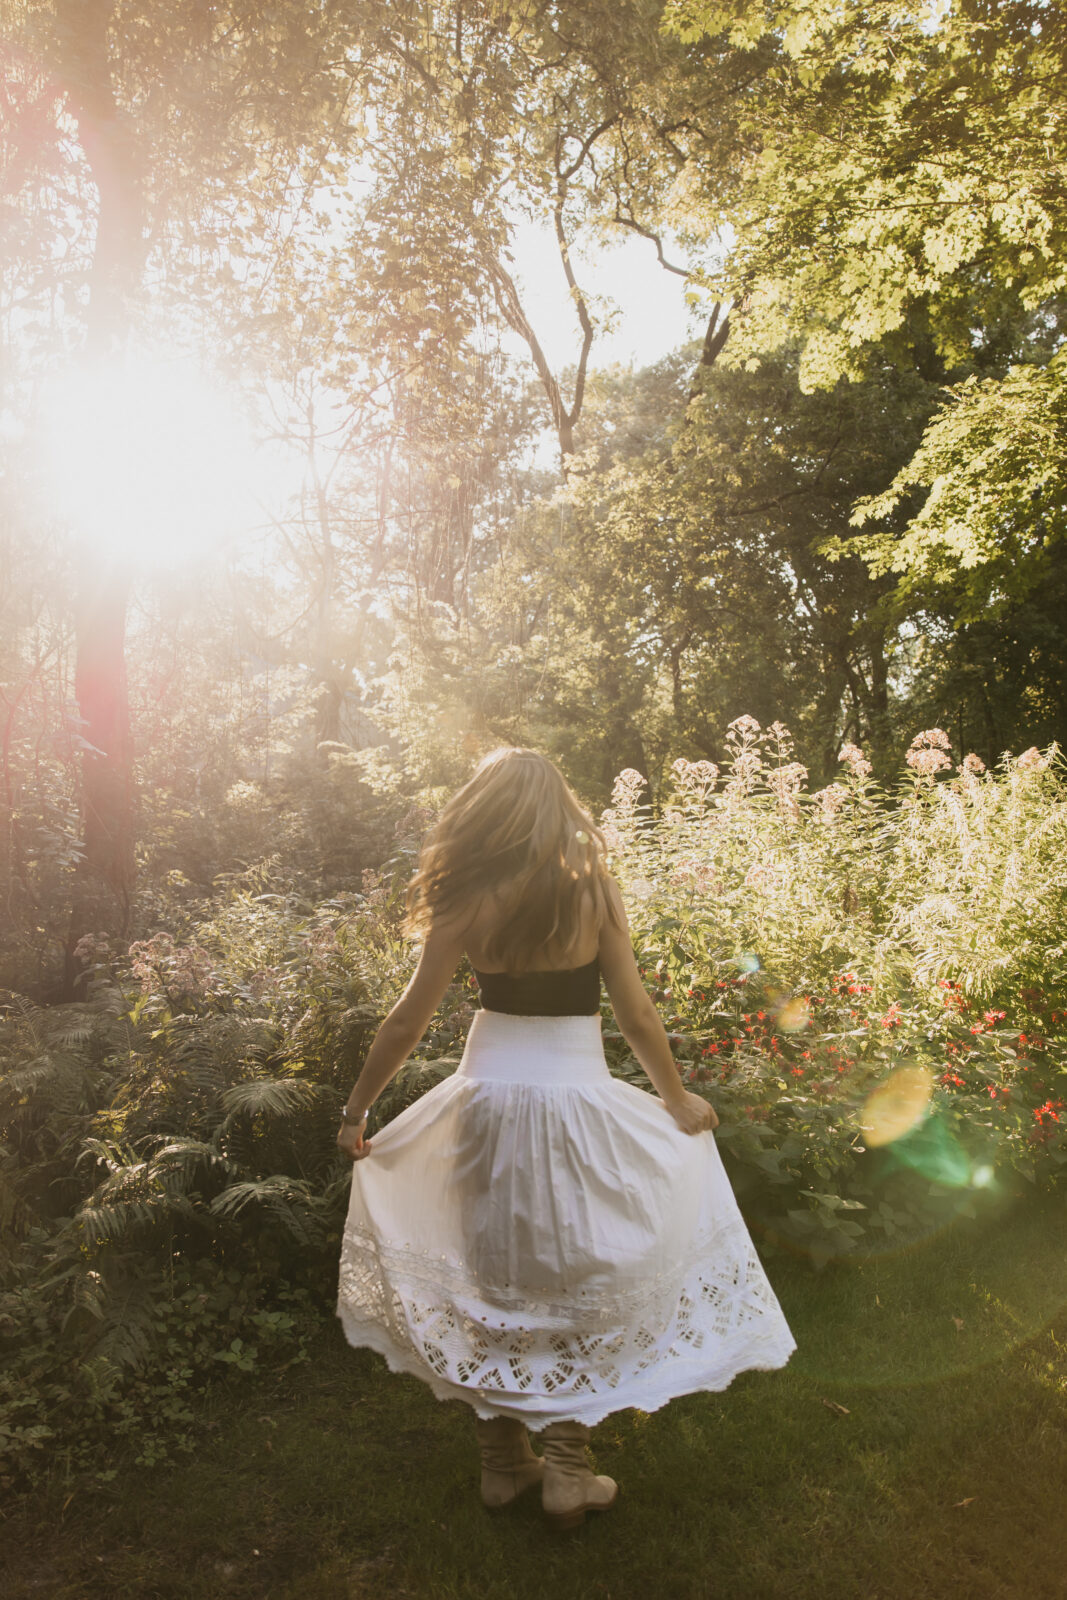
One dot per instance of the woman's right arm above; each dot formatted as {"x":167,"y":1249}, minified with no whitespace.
{"x":640,"y":1022}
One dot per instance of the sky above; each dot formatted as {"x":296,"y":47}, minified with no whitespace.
{"x":651,"y":317}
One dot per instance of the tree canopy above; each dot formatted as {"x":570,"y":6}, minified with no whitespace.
{"x":840,"y":505}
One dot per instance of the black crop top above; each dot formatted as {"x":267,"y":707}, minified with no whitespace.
{"x":567,"y":992}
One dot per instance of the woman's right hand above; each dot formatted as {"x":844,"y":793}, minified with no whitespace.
{"x":692,"y":1114}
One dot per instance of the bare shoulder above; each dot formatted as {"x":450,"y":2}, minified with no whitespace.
{"x":614,"y":947}
{"x":616,"y":921}
{"x":457,"y":926}
{"x":618,"y":962}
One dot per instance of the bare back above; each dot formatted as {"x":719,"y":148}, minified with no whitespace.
{"x":485,"y":919}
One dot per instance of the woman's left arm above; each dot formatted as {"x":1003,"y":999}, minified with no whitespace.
{"x":401,"y":1031}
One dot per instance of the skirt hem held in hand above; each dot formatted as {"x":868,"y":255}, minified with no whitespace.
{"x":540,"y":1240}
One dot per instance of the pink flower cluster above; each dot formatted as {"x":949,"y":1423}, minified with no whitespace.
{"x":265,"y":982}
{"x":779,"y":735}
{"x":186,"y":970}
{"x":830,"y":800}
{"x":854,"y":759}
{"x":784,"y":783}
{"x":322,"y":945}
{"x":926,"y":754}
{"x":627,"y":787}
{"x":695,"y":779}
{"x":745,"y":771}
{"x":374,"y":887}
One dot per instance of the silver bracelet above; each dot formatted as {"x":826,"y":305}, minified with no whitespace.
{"x":353,"y":1121}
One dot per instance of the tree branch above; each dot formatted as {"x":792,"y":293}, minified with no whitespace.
{"x":564,"y":176}
{"x":647,"y":233}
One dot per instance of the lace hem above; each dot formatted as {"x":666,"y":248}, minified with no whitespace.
{"x":583,"y":1354}
{"x":651,"y":1395}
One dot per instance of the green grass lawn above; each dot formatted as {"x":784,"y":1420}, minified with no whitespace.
{"x":916,"y":1446}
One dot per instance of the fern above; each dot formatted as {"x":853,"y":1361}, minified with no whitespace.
{"x":290,"y":1201}
{"x":269,"y":1097}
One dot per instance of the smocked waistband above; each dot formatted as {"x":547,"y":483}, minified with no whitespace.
{"x":503,"y":1048}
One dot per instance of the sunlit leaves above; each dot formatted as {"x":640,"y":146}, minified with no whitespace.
{"x":991,"y":466}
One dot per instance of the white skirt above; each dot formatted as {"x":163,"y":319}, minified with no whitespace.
{"x":540,"y":1240}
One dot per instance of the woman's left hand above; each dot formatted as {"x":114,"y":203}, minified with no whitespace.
{"x":351,"y":1143}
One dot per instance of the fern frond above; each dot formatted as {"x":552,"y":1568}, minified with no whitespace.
{"x":291,"y":1201}
{"x":103,"y":1224}
{"x":269,"y":1097}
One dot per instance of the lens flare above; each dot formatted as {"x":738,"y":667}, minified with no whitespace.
{"x":793,"y":1015}
{"x":933,"y":1151}
{"x":899,"y":1113}
{"x":147,"y":460}
{"x":747,"y":962}
{"x":896,"y":1106}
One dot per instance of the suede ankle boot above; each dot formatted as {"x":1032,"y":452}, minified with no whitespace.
{"x":570,"y":1486}
{"x":509,"y":1464}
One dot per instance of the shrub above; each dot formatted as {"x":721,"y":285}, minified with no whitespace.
{"x":868,"y":985}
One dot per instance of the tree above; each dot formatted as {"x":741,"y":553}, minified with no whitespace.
{"x":155,"y":144}
{"x":905,"y":200}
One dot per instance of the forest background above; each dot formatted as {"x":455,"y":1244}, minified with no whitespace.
{"x":277,"y":245}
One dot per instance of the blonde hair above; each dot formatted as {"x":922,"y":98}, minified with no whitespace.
{"x":515,"y":830}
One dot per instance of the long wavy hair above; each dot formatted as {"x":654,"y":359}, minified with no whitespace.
{"x":515,"y":831}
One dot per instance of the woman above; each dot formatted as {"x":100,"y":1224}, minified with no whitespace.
{"x":533,"y":1236}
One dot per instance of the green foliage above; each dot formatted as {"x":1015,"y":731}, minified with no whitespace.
{"x":170,"y":1182}
{"x":171,"y":1195}
{"x":991,"y":465}
{"x":811,"y":949}
{"x":90,"y":1379}
{"x":902,"y":201}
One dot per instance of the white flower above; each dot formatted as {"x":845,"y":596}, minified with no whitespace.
{"x":784,"y":783}
{"x":627,"y":787}
{"x":782,"y":737}
{"x":926,"y":754}
{"x":830,"y":800}
{"x":854,"y":759}
{"x":927,"y":762}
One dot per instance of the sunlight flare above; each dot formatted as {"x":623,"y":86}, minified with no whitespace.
{"x":147,"y":460}
{"x":897,"y":1105}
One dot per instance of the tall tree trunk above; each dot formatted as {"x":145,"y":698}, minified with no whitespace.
{"x":105,"y":879}
{"x":106,"y":874}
